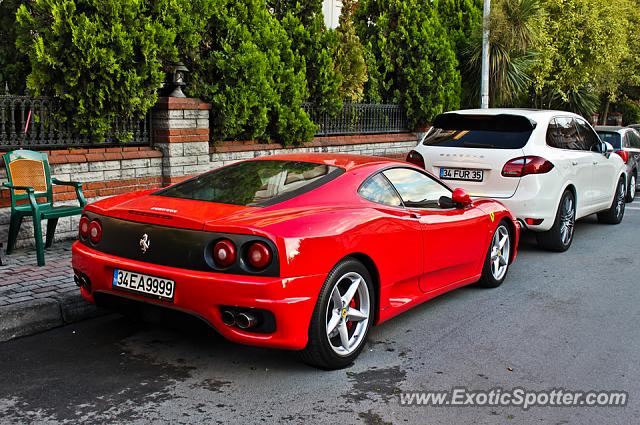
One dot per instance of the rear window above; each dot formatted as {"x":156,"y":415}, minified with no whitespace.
{"x":254,"y":183}
{"x":611,"y":137}
{"x":501,"y":131}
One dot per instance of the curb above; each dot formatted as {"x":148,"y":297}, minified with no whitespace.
{"x":30,"y":317}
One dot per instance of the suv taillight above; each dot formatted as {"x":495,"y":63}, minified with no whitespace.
{"x":523,"y":165}
{"x":416,"y":159}
{"x":624,"y":155}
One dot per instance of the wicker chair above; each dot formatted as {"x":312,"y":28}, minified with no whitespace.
{"x":31,"y":188}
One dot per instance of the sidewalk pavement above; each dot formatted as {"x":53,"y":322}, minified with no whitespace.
{"x":34,"y":299}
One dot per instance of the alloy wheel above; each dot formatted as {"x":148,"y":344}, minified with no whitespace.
{"x":567,"y":220}
{"x":620,"y":198}
{"x":632,"y":188}
{"x":348,"y":313}
{"x":500,"y":249}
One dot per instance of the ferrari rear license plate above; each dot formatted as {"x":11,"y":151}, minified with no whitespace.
{"x":150,"y":286}
{"x":461,"y":174}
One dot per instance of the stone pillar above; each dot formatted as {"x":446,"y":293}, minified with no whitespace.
{"x":181,"y":132}
{"x":421,"y":131}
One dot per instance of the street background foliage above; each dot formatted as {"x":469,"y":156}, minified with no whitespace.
{"x":257,"y":61}
{"x":102,"y":58}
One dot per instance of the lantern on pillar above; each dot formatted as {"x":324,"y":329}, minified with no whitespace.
{"x":176,"y":79}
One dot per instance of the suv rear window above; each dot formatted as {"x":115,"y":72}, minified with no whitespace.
{"x":254,"y":183}
{"x":501,"y":131}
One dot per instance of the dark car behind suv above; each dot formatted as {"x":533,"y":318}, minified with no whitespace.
{"x":626,"y":142}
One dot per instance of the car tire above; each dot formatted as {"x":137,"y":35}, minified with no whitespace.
{"x":615,"y":213}
{"x":631,"y":190}
{"x":560,"y":236}
{"x":326,"y":350}
{"x":496,"y":263}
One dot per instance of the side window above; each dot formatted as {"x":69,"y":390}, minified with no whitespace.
{"x":378,"y":189}
{"x":589,"y":139}
{"x":634,"y":139}
{"x":626,"y":140}
{"x":554,"y":136}
{"x":417,"y":190}
{"x":564,"y":134}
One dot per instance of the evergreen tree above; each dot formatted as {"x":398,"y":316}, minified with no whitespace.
{"x":414,"y":58}
{"x":246,"y":68}
{"x":100,"y":57}
{"x":14,"y":64}
{"x":462,"y":18}
{"x":312,"y":43}
{"x":372,"y":90}
{"x":349,"y":56}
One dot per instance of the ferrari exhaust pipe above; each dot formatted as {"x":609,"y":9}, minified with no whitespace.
{"x":82,"y":281}
{"x":246,"y":320}
{"x":228,"y":318}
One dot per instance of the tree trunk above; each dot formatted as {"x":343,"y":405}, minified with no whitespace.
{"x":606,"y":111}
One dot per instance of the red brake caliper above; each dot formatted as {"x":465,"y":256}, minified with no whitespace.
{"x":352,"y":304}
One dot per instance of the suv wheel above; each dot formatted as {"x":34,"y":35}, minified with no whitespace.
{"x":631,"y":191}
{"x":615,"y":213}
{"x":560,"y":236}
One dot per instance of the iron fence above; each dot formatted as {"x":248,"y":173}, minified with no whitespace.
{"x":359,"y":118}
{"x":29,"y":122}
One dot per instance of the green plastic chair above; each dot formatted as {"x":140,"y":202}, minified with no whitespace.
{"x":30,"y":180}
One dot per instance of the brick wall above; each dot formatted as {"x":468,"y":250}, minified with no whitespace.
{"x":388,"y":145}
{"x":181,"y":149}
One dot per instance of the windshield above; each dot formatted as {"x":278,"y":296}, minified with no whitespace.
{"x":480,"y":131}
{"x":611,"y":137}
{"x":254,"y":183}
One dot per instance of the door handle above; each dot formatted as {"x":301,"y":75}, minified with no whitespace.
{"x":595,"y":162}
{"x":574,"y":162}
{"x":414,"y":215}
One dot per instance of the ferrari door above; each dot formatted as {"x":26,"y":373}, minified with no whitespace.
{"x":454,"y":239}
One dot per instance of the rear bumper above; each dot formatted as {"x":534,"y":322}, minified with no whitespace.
{"x":517,"y":237}
{"x":291,"y":300}
{"x":532,"y":201}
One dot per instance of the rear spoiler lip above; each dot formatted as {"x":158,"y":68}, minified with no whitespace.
{"x":503,"y":122}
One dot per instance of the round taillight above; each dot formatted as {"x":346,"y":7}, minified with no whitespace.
{"x":259,"y":255}
{"x":224,"y":253}
{"x":84,"y":226}
{"x":95,"y":231}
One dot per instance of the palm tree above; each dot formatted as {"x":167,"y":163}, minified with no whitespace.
{"x":516,"y":31}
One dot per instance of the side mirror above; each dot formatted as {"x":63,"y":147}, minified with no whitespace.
{"x":608,"y":148}
{"x":446,"y":203}
{"x":461,"y":198}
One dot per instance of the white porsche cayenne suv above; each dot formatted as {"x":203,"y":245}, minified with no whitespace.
{"x":549,"y":168}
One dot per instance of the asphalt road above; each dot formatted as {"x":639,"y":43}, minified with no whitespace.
{"x":560,"y":320}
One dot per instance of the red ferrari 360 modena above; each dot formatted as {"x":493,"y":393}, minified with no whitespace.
{"x":303,"y":252}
